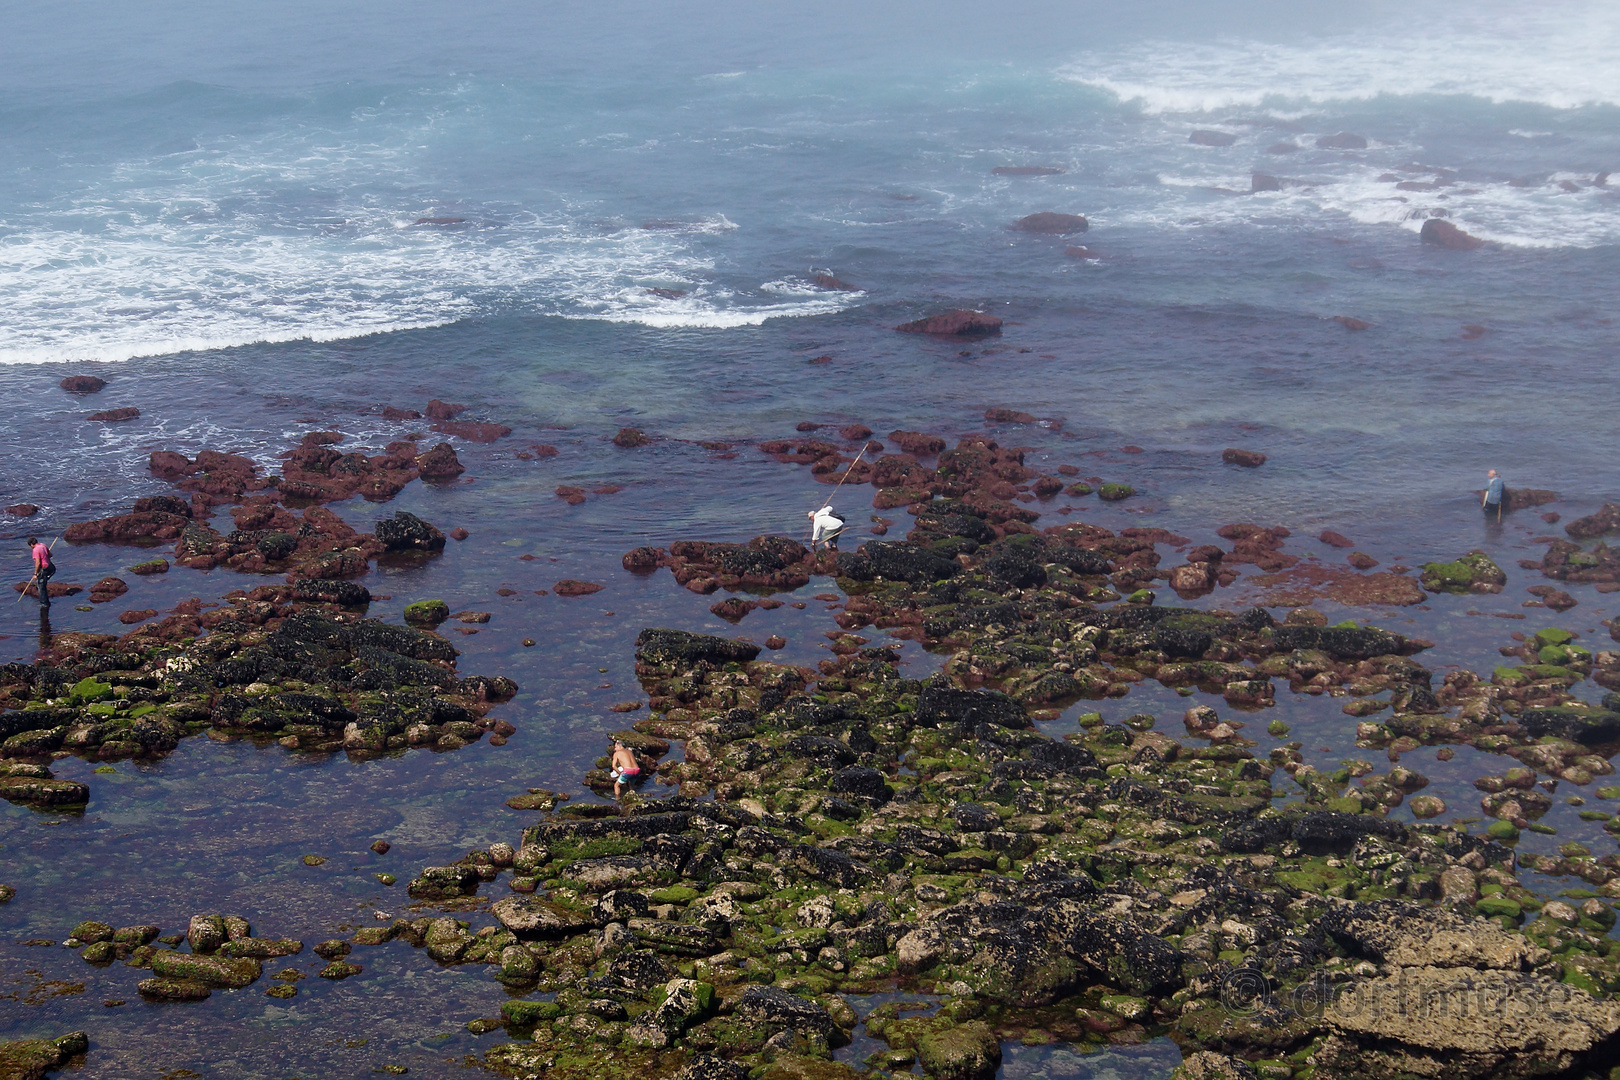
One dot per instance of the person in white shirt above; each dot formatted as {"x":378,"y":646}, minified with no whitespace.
{"x":824,"y":528}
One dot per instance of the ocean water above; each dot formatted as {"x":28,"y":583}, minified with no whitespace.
{"x":255,"y":224}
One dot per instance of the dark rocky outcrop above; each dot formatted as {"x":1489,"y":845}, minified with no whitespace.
{"x":1442,"y":233}
{"x":1052,"y":224}
{"x":957,"y":323}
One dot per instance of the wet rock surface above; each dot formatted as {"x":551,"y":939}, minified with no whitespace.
{"x":846,"y":830}
{"x":810,"y":833}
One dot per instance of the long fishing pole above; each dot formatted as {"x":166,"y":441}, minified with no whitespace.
{"x":847,"y":471}
{"x":36,"y":572}
{"x":840,"y":484}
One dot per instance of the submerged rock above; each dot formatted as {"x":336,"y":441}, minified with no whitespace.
{"x":957,"y":323}
{"x":1051,"y":223}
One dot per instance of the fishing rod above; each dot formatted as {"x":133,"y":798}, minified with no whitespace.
{"x":847,"y":471}
{"x":36,"y":571}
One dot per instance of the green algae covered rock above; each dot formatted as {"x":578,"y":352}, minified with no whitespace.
{"x":969,"y":1051}
{"x":427,"y":612}
{"x":1473,"y":573}
{"x":90,"y":689}
{"x":162,"y":989}
{"x":529,"y":1013}
{"x":1115,"y":492}
{"x":216,"y":971}
{"x":30,"y":1059}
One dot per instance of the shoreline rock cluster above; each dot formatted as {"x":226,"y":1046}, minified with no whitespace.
{"x":847,"y":830}
{"x":265,"y":665}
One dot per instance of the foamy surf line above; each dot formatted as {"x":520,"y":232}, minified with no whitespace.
{"x":117,"y":352}
{"x":1561,"y":58}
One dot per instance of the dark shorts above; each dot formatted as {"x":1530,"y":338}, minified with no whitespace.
{"x":1493,"y":509}
{"x":46,"y":572}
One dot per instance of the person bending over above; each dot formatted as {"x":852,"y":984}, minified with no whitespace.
{"x":625,"y":768}
{"x":825,"y":527}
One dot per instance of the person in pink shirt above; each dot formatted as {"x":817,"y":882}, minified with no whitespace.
{"x":44,"y":569}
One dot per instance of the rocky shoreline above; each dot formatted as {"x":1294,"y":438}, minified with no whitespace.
{"x":845,"y":830}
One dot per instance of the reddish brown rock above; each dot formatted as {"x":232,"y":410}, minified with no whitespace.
{"x":827,"y":281}
{"x":168,"y":465}
{"x":732,"y":609}
{"x":571,"y":587}
{"x":1068,"y":470}
{"x":855,"y":432}
{"x":1523,"y":498}
{"x":630,"y":437}
{"x":108,"y":588}
{"x":1308,"y":583}
{"x":1025,"y":170}
{"x":1552,"y":517}
{"x":459,"y":534}
{"x":56,"y":589}
{"x":1444,"y":234}
{"x":1047,"y":486}
{"x":82,"y":384}
{"x":1361,"y":560}
{"x":606,"y":489}
{"x":130,"y":618}
{"x":1051,"y":224}
{"x":113,"y":416}
{"x":1350,"y":322}
{"x":1080,"y":251}
{"x":146,"y":525}
{"x":806,"y":425}
{"x":574,"y":496}
{"x":643,"y":560}
{"x":472,"y":430}
{"x":1008,"y":416}
{"x":391,"y":413}
{"x":1193,"y":580}
{"x":543,"y":450}
{"x":443,"y":410}
{"x":439,"y":463}
{"x":1338,"y":540}
{"x":1473,"y":332}
{"x":22,"y":510}
{"x":776,"y":641}
{"x":1249,"y":459}
{"x":915,"y":442}
{"x":150,"y":567}
{"x":959,"y":323}
{"x":821,"y":360}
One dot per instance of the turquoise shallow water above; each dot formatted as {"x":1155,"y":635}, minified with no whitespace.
{"x":218,"y":215}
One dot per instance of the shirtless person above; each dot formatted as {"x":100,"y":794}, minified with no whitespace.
{"x":625,"y":770}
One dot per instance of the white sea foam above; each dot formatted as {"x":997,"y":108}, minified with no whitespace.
{"x":1542,"y":215}
{"x":1559,"y":55}
{"x":183,"y":278}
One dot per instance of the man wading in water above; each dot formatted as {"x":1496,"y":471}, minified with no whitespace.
{"x":44,"y":570}
{"x":1492,"y":503}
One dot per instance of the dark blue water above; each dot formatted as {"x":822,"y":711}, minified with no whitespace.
{"x":216,"y":211}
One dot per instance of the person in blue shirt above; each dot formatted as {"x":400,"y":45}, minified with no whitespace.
{"x":1492,"y":503}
